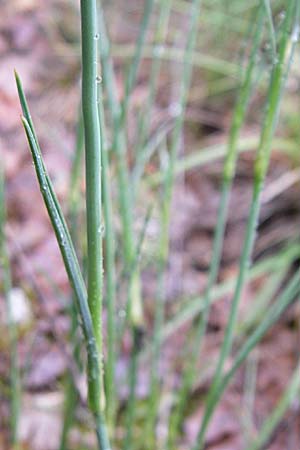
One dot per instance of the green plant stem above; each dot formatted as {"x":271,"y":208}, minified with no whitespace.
{"x":71,"y":394}
{"x":194,"y":306}
{"x":146,"y":149}
{"x":228,"y":174}
{"x":73,"y":270}
{"x":133,"y":370}
{"x":14,"y":374}
{"x":90,"y":80}
{"x":207,"y":155}
{"x":109,"y":243}
{"x":184,"y":89}
{"x":144,"y":122}
{"x":134,"y":64}
{"x":284,"y":300}
{"x":70,"y":402}
{"x":175,"y":54}
{"x":262,"y":300}
{"x":135,"y":313}
{"x":168,"y":189}
{"x":272,"y":34}
{"x":92,"y":162}
{"x":189,"y":373}
{"x":118,"y":113}
{"x":158,"y":320}
{"x":260,"y":168}
{"x":73,"y":194}
{"x":291,"y":392}
{"x":137,"y":340}
{"x":249,"y":394}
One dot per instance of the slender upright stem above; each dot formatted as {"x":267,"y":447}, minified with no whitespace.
{"x":272,"y":34}
{"x":93,"y":161}
{"x":158,"y":321}
{"x":71,"y":394}
{"x":110,"y":271}
{"x":134,"y":310}
{"x":134,"y":64}
{"x":144,"y":122}
{"x":166,"y":213}
{"x":291,"y":392}
{"x":15,"y":390}
{"x":90,"y":80}
{"x":276,"y":86}
{"x":133,"y":371}
{"x":287,"y":296}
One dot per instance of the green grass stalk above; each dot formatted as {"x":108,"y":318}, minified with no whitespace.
{"x":272,"y":33}
{"x":174,"y":54}
{"x":135,"y":313}
{"x":92,"y":163}
{"x":228,"y":175}
{"x":137,"y":340}
{"x":133,"y":370}
{"x":168,"y":190}
{"x":134,"y":64}
{"x":276,"y":310}
{"x":291,"y":392}
{"x":194,"y":306}
{"x":249,"y":395}
{"x":262,"y":301}
{"x":70,"y":403}
{"x":157,"y":338}
{"x":276,"y":87}
{"x":212,"y":153}
{"x":14,"y":375}
{"x":144,"y":122}
{"x":183,"y":94}
{"x":74,"y":182}
{"x":71,"y":394}
{"x":110,"y":270}
{"x":147,"y":149}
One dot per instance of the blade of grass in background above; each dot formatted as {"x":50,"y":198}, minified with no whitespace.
{"x":278,"y":76}
{"x":194,"y":306}
{"x":144,"y":122}
{"x":147,"y":150}
{"x":250,"y":384}
{"x":137,"y":340}
{"x":71,"y":394}
{"x":262,"y":301}
{"x":110,"y":270}
{"x":76,"y":170}
{"x":206,"y":155}
{"x":185,"y":82}
{"x":291,"y":393}
{"x":14,"y":375}
{"x":135,"y":314}
{"x":175,"y":54}
{"x":229,"y":169}
{"x":134,"y":64}
{"x":276,"y":310}
{"x":271,"y":28}
{"x":131,"y":404}
{"x":157,"y":339}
